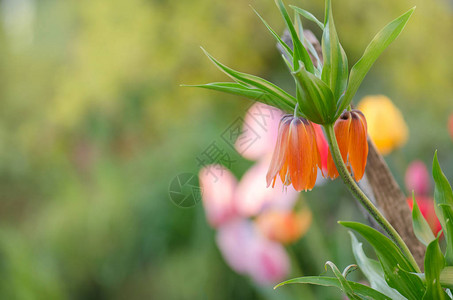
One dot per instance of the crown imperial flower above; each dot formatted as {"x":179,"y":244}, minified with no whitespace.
{"x":296,"y":157}
{"x":351,"y":133}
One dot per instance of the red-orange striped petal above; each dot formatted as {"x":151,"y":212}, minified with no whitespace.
{"x":358,"y":145}
{"x":280,"y":151}
{"x":299,"y":155}
{"x":341,"y":128}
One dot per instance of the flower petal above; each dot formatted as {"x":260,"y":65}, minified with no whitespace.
{"x":358,"y":146}
{"x":280,"y":151}
{"x":299,"y":155}
{"x":341,"y":129}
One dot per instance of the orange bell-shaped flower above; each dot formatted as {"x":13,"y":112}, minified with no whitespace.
{"x":296,"y":157}
{"x":351,"y":133}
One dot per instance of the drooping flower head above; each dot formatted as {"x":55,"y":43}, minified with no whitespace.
{"x":351,"y":133}
{"x":296,"y":157}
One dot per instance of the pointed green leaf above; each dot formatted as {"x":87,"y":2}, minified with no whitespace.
{"x":372,"y":271}
{"x":285,"y":47}
{"x":250,"y":93}
{"x":421,"y":228}
{"x":300,"y":53}
{"x":335,"y":69}
{"x":307,"y":15}
{"x":254,"y":81}
{"x":309,"y":46}
{"x":360,"y":289}
{"x":392,"y":261}
{"x":443,"y":198}
{"x":434,"y":264}
{"x":314,"y":97}
{"x":379,"y":43}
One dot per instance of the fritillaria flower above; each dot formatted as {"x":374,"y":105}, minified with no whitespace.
{"x":351,"y":133}
{"x":296,"y":157}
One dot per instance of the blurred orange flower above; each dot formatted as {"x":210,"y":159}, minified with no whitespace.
{"x":386,"y":125}
{"x":351,"y":133}
{"x":284,"y":226}
{"x":296,"y":157}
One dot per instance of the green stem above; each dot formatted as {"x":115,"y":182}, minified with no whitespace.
{"x":363,"y":199}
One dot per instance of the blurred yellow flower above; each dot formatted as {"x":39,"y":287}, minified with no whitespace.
{"x":386,"y":125}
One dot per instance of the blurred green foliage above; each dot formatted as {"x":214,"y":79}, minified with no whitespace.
{"x":94,"y":126}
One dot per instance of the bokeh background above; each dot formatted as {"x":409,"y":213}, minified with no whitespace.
{"x":94,"y":126}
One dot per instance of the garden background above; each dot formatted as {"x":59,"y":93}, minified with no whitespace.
{"x":94,"y":127}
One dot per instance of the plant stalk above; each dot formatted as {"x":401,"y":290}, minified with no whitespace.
{"x":363,"y":199}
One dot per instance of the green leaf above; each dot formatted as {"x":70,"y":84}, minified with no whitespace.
{"x":309,"y":46}
{"x":446,"y":277}
{"x":314,"y":97}
{"x":434,"y":263}
{"x":379,"y":43}
{"x":372,"y":270}
{"x":300,"y":53}
{"x":360,"y":289}
{"x":345,"y":286}
{"x":255,"y":81}
{"x":250,"y":93}
{"x":443,"y":198}
{"x":307,"y":15}
{"x":393,"y":262}
{"x":335,"y":70}
{"x":285,"y":47}
{"x":421,"y":228}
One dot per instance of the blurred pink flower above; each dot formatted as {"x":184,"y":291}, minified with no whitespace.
{"x":259,"y":131}
{"x":249,"y":253}
{"x":218,"y":193}
{"x":417,"y":178}
{"x":233,"y":240}
{"x":253,"y":196}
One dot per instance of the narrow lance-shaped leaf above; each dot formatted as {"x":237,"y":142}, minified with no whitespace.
{"x":253,"y":81}
{"x":434,"y":264}
{"x":300,"y":53}
{"x":309,"y":46}
{"x":285,"y":47}
{"x":372,"y":271}
{"x":393,"y":262}
{"x":250,"y":93}
{"x":443,"y":198}
{"x":307,"y":15}
{"x":360,"y":289}
{"x":335,"y":69}
{"x":314,"y":97}
{"x":421,"y":227}
{"x":379,"y":43}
